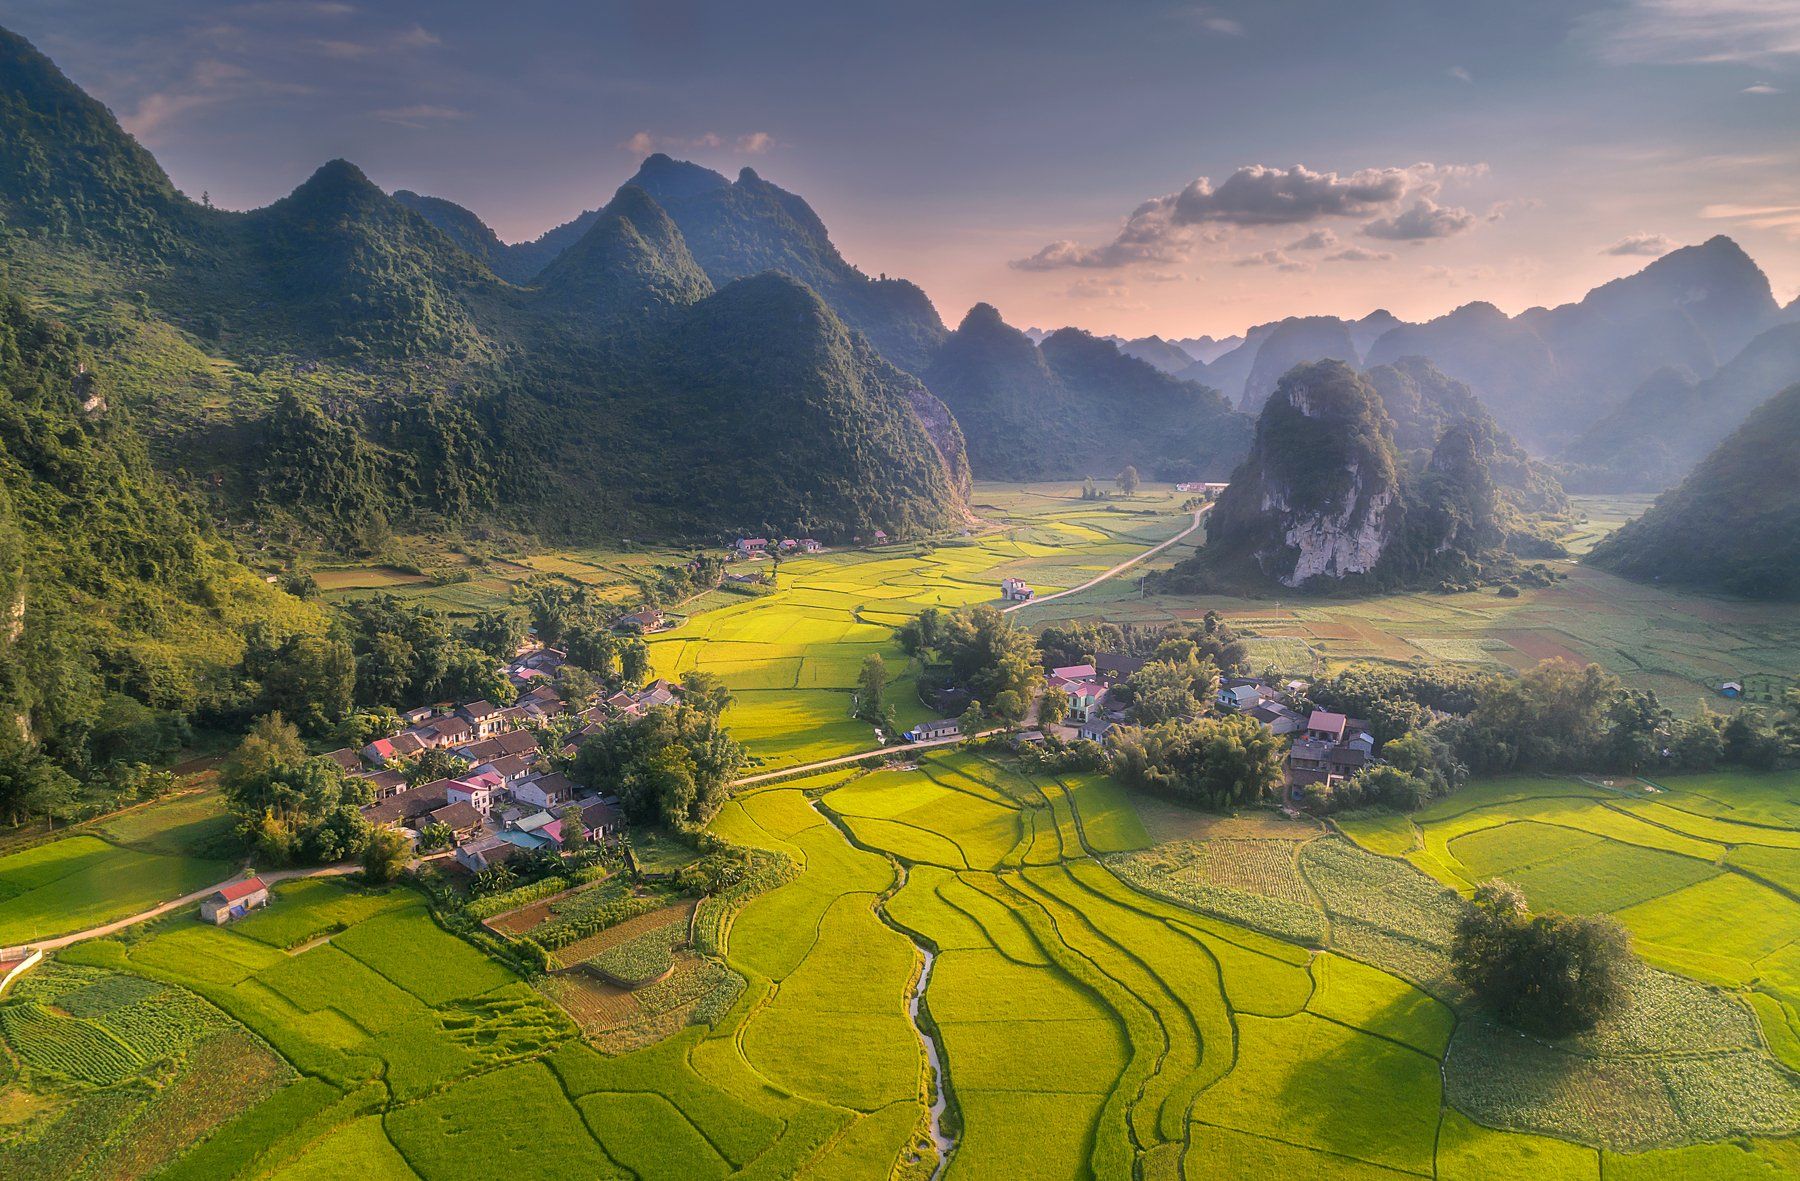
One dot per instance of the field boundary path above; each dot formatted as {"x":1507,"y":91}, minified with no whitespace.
{"x":1127,"y":564}
{"x":173,"y":904}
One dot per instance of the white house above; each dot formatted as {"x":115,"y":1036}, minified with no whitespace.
{"x":234,"y":901}
{"x":942,"y":728}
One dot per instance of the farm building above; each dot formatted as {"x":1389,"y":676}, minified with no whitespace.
{"x":234,"y":901}
{"x":942,"y":728}
{"x":1015,"y":590}
{"x":1731,"y":689}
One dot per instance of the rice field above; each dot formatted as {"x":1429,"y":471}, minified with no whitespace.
{"x":1118,"y":987}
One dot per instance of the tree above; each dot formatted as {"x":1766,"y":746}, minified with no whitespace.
{"x":1217,"y":762}
{"x":291,"y":806}
{"x":634,"y":660}
{"x":272,"y":745}
{"x":1128,"y":480}
{"x":972,"y":719}
{"x":574,"y":832}
{"x":385,"y":854}
{"x":1163,"y":690}
{"x":499,"y":633}
{"x":673,"y":765}
{"x":871,"y":687}
{"x":706,"y":691}
{"x":1549,"y":973}
{"x":1053,"y":706}
{"x":431,"y":765}
{"x":435,"y":836}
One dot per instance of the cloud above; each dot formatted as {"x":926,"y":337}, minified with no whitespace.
{"x":1762,"y":88}
{"x":1211,"y":20}
{"x":1359,"y":254}
{"x":419,"y":115}
{"x":1424,"y":221}
{"x":1272,"y":258}
{"x":1165,"y":229}
{"x":1757,"y":217}
{"x":1094,"y":287}
{"x":1320,"y":239}
{"x":642,"y":143}
{"x":1460,"y":73}
{"x":1653,"y":245}
{"x":1690,"y":32}
{"x":208,"y":83}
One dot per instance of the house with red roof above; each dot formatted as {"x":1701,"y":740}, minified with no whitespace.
{"x":234,"y":901}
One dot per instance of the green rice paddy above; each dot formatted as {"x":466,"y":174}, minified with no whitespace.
{"x":1117,"y":988}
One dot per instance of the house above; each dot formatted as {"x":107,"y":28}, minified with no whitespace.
{"x":1114,"y":667}
{"x":484,"y":717}
{"x":521,"y":743}
{"x":419,"y":713}
{"x":810,"y":545}
{"x":748,"y":546}
{"x":1086,"y":699}
{"x":1277,"y":718}
{"x":601,"y":819}
{"x":451,"y":731}
{"x":657,"y":692}
{"x":484,"y":853}
{"x":481,"y":791}
{"x":647,"y":620}
{"x":234,"y":901}
{"x":1731,"y":689}
{"x":533,"y":823}
{"x":381,"y":752}
{"x":507,"y":768}
{"x":347,"y":760}
{"x":1015,"y":590}
{"x":927,"y":731}
{"x":384,"y":783}
{"x":1096,"y":728}
{"x":788,"y":545}
{"x":881,"y":537}
{"x":1325,"y":726}
{"x":1074,"y":672}
{"x":1240,"y":695}
{"x":546,"y":791}
{"x":461,"y":818}
{"x":407,"y":807}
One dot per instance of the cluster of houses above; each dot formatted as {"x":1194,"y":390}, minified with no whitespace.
{"x":1206,"y":488}
{"x":1327,"y":747}
{"x":755,"y":549}
{"x":505,"y":798}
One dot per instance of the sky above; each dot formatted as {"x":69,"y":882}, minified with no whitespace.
{"x":1132,"y":168}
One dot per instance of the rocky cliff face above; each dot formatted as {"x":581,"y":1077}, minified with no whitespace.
{"x":1320,"y":495}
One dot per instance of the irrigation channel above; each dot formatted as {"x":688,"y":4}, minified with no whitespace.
{"x":940,"y":1095}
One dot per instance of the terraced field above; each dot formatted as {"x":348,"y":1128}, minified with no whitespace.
{"x":1104,"y":986}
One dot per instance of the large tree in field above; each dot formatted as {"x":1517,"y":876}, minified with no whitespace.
{"x":1549,"y":973}
{"x":1215,"y":762}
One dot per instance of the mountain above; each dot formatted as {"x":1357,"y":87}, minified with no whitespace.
{"x":473,"y":235}
{"x":1549,"y":374}
{"x":1076,"y":406}
{"x":69,"y":171}
{"x":1371,"y":328}
{"x":352,"y":270}
{"x":1205,"y":348}
{"x":748,"y":226}
{"x":115,"y":600}
{"x":343,"y":365}
{"x":631,"y":267}
{"x":1295,"y":341}
{"x":1230,"y":370}
{"x":1325,"y":500}
{"x":1733,"y":525}
{"x":1155,"y":351}
{"x":1670,"y":421}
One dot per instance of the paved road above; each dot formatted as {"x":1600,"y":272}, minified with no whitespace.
{"x":1119,"y":569}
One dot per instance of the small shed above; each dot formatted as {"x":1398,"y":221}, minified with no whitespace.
{"x":1731,"y":689}
{"x":234,"y":901}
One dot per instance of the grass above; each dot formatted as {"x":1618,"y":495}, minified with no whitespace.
{"x":83,"y":881}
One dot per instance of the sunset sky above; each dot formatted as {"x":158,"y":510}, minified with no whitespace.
{"x":1134,"y":168}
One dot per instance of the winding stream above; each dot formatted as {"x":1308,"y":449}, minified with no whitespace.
{"x":940,"y":1097}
